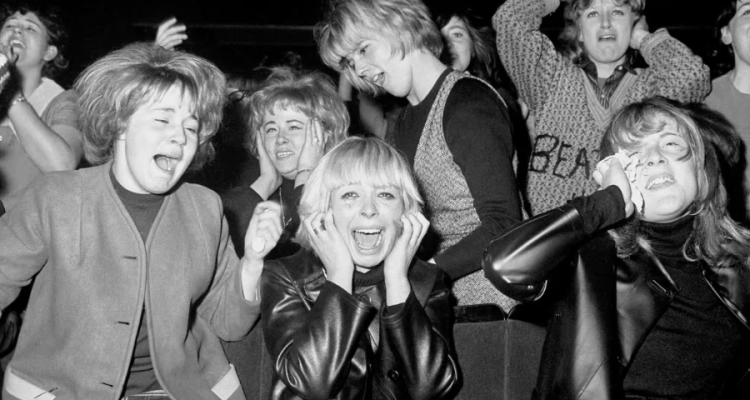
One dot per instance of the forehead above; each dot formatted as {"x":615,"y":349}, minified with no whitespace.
{"x":28,"y":17}
{"x":175,"y":97}
{"x":282,"y":111}
{"x":606,"y":3}
{"x":454,"y":23}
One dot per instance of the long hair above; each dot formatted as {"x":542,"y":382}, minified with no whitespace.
{"x":369,"y":161}
{"x":312,"y":94}
{"x":485,"y":62}
{"x":115,"y":86}
{"x":722,"y":55}
{"x":571,"y":46}
{"x":716,"y":239}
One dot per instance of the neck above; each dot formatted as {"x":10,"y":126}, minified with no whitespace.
{"x":605,"y":70}
{"x":30,"y":81}
{"x":426,"y":69}
{"x":741,"y":77}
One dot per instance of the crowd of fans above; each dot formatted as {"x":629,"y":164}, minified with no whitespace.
{"x":168,"y":231}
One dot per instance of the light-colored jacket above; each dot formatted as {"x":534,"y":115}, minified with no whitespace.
{"x":94,"y":278}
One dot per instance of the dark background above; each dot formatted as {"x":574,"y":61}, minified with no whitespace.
{"x":238,"y":35}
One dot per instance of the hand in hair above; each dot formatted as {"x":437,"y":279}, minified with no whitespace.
{"x":640,"y":31}
{"x":396,"y":267}
{"x":170,"y":34}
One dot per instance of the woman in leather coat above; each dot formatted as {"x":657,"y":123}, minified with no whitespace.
{"x":354,"y":315}
{"x":649,"y":305}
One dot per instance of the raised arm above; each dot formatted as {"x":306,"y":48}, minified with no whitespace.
{"x":677,"y":73}
{"x":527,"y":54}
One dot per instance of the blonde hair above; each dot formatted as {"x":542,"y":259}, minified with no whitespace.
{"x":312,"y":94}
{"x":368,"y":161}
{"x":405,"y":25}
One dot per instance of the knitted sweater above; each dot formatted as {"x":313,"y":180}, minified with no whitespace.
{"x":449,"y":202}
{"x":570,"y":120}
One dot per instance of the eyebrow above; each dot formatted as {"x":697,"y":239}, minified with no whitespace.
{"x":15,"y":18}
{"x":172,"y":110}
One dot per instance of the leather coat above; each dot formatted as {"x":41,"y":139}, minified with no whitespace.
{"x":597,"y":327}
{"x":328,"y":344}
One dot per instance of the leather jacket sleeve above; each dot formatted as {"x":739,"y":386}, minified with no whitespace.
{"x":420,"y":340}
{"x":311,"y":343}
{"x":520,"y":261}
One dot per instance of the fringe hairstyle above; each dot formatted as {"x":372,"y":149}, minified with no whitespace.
{"x":716,"y":238}
{"x":312,"y":94}
{"x":112,"y":89}
{"x":571,"y":46}
{"x":405,"y":25}
{"x":369,"y":161}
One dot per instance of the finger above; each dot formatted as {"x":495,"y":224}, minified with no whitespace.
{"x":165,"y":25}
{"x":407,"y":233}
{"x":318,"y":131}
{"x":175,"y":29}
{"x":425,"y":225}
{"x":308,"y":223}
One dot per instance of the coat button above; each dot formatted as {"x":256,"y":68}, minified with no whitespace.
{"x":393,"y":375}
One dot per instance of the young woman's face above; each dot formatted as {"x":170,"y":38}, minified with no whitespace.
{"x":369,"y":220}
{"x":459,"y":43}
{"x":26,"y":35}
{"x":737,"y":33}
{"x":665,"y":175}
{"x":605,"y":30}
{"x":158,"y":144}
{"x":283,"y":133}
{"x":373,"y":62}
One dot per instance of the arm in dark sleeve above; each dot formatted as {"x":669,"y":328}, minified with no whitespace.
{"x":520,"y":261}
{"x":239,"y":204}
{"x":311,"y":349}
{"x":478,"y":133}
{"x":421,"y":341}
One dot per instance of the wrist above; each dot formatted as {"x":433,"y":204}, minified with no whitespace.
{"x":17,"y":99}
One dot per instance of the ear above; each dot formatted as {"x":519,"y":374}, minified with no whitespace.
{"x":51,"y":53}
{"x":726,"y":37}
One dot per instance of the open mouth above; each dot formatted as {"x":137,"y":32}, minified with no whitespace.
{"x":166,"y":162}
{"x":284,"y":154}
{"x":659,"y":181}
{"x":367,"y":239}
{"x":604,"y":38}
{"x":17,"y":44}
{"x":378,"y":79}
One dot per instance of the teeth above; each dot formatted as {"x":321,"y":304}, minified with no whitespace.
{"x":659,"y":180}
{"x":377,"y":79}
{"x":284,"y":154}
{"x":367,"y":239}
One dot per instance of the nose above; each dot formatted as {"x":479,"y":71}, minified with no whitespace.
{"x":654,"y":157}
{"x":369,"y":208}
{"x":360,"y":67}
{"x":282,"y":137}
{"x":606,"y":23}
{"x":178,"y":136}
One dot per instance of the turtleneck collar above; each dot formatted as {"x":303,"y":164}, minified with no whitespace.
{"x":668,"y":239}
{"x":369,"y":278}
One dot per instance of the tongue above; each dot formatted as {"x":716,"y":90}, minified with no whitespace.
{"x":367,"y":241}
{"x":164,"y":162}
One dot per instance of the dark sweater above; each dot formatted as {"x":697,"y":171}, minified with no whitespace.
{"x":697,"y":343}
{"x":143,"y":209}
{"x":478,"y":133}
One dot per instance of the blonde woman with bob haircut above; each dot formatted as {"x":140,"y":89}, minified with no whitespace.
{"x":353,"y":315}
{"x":134,"y":276}
{"x":294,"y":119}
{"x":455,"y":132}
{"x":649,"y":272}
